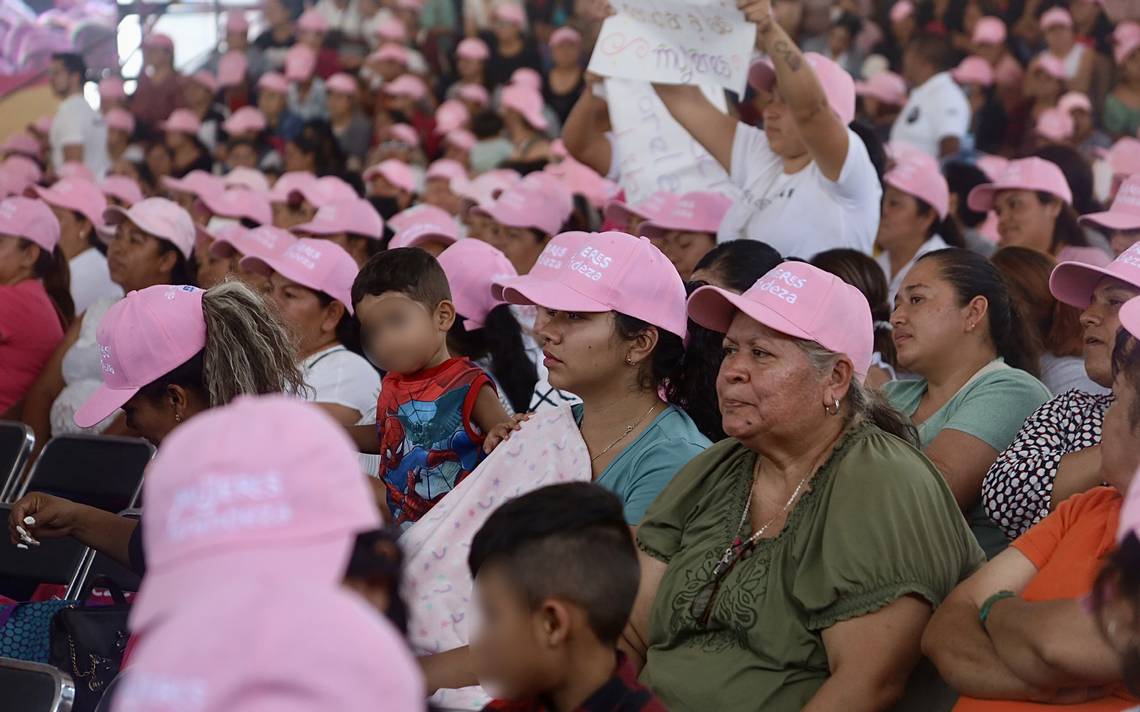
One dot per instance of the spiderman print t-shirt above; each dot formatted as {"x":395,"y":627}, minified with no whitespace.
{"x":428,"y":442}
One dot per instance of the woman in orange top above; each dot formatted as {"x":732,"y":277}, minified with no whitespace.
{"x":1015,"y":637}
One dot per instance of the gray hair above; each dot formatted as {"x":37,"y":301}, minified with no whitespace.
{"x":861,"y":402}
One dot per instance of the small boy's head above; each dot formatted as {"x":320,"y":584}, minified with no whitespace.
{"x":555,"y":575}
{"x":404,"y":305}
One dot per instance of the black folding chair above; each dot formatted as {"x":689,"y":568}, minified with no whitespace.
{"x":16,"y":444}
{"x":98,"y":470}
{"x":56,"y":561}
{"x":32,"y":687}
{"x":103,"y":565}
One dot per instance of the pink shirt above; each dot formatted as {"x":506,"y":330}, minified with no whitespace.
{"x":29,"y":332}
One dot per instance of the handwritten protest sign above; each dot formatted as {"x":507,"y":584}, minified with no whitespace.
{"x":653,"y":151}
{"x":706,"y":42}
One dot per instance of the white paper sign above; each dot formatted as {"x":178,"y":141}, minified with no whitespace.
{"x":653,"y":151}
{"x":706,"y":42}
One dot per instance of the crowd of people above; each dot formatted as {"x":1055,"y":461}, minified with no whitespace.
{"x":467,"y":419}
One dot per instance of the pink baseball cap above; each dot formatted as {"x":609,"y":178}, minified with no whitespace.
{"x":474,"y":93}
{"x":72,"y":169}
{"x":526,"y":77}
{"x":1056,"y":17}
{"x":989,"y":30}
{"x":919,"y":181}
{"x":1050,"y":65}
{"x":1034,"y":174}
{"x":837,"y":84}
{"x":144,"y":336}
{"x":20,"y":170}
{"x":526,"y":206}
{"x":320,"y":265}
{"x":419,"y":214}
{"x":797,"y":300}
{"x":121,"y":188}
{"x":263,"y":242}
{"x":274,"y":82}
{"x":580,"y":179}
{"x":31,"y":220}
{"x":699,"y":211}
{"x":112,"y":88}
{"x":901,"y":10}
{"x":408,"y":86}
{"x":1073,"y":282}
{"x":565,"y":35}
{"x":312,"y":20}
{"x":1125,"y":48}
{"x":158,"y":41}
{"x":81,"y":196}
{"x":248,"y":178}
{"x":266,"y":487}
{"x":485,"y":188}
{"x":1074,"y":101}
{"x":886,"y":86}
{"x":391,"y":52}
{"x":120,"y":120}
{"x":341,"y":83}
{"x":419,"y":234}
{"x":619,"y":212}
{"x":240,"y":203}
{"x":247,"y":119}
{"x":23,"y":144}
{"x":300,"y":61}
{"x":601,"y":272}
{"x":396,"y":172}
{"x":511,"y":14}
{"x":206,"y":80}
{"x":236,"y":21}
{"x":1124,"y":214}
{"x":451,"y":115}
{"x":1055,"y":124}
{"x":391,"y":29}
{"x":1130,"y":320}
{"x":324,"y":190}
{"x":405,"y":134}
{"x":992,"y":166}
{"x":159,"y":217}
{"x":973,"y":70}
{"x":288,"y":186}
{"x":527,"y":102}
{"x":355,"y":217}
{"x":474,"y":49}
{"x":558,"y":196}
{"x":182,"y":121}
{"x":471,"y":267}
{"x":232,"y":68}
{"x":461,"y":139}
{"x":1124,"y":156}
{"x":446,"y":169}
{"x":196,"y":183}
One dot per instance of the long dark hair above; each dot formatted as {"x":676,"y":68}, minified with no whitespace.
{"x":971,"y":275}
{"x":500,"y":338}
{"x":347,"y":329}
{"x":51,"y":268}
{"x":864,"y":273}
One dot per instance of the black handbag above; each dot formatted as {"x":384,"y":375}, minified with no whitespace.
{"x":88,"y":642}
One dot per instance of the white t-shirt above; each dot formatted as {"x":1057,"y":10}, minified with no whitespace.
{"x":338,"y":376}
{"x":803,"y":213}
{"x":346,"y":20}
{"x":77,"y":124}
{"x":91,"y":280}
{"x":936,"y":110}
{"x":884,"y":259}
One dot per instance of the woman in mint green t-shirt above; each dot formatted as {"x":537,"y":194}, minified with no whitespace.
{"x":956,"y":326}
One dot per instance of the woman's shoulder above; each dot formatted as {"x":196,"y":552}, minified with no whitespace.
{"x":1011,"y":382}
{"x":875,"y":465}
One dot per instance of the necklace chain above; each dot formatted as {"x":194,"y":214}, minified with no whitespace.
{"x":737,"y":544}
{"x":628,"y":429}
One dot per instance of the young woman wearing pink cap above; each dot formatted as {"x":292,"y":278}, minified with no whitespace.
{"x":750,"y":532}
{"x":1061,"y":44}
{"x":1056,"y":454}
{"x":685,"y":230}
{"x":511,"y":46}
{"x":354,"y":225}
{"x":522,"y":110}
{"x":957,"y":328}
{"x":805,"y":167}
{"x":566,"y":80}
{"x":35,"y":301}
{"x":151,"y":245}
{"x":187,"y":152}
{"x":273,"y":102}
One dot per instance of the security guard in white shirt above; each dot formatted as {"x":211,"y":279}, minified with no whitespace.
{"x":936,"y":117}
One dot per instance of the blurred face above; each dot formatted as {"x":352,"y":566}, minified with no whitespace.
{"x":437,"y":192}
{"x":914,"y":67}
{"x":17,"y":259}
{"x":311,"y":39}
{"x":838,"y":40}
{"x":401,"y":334}
{"x":989,"y":52}
{"x":928,"y":322}
{"x":211,"y":270}
{"x":275,"y":12}
{"x":242,"y":155}
{"x":510,"y":644}
{"x":389,"y":69}
{"x":1101,"y":321}
{"x":60,"y":79}
{"x":901,"y":226}
{"x":470,"y":70}
{"x":313,"y":325}
{"x":685,"y":249}
{"x":117,"y":140}
{"x":766,"y":386}
{"x":1131,"y":67}
{"x":271,"y":103}
{"x":565,"y":54}
{"x":340,"y":105}
{"x":903,"y":29}
{"x":521,"y":245}
{"x":298,"y":160}
{"x":582,"y":351}
{"x":382,"y":187}
{"x":158,"y":160}
{"x":290,"y":214}
{"x":1084,"y":12}
{"x":1082,"y":122}
{"x":1059,"y":39}
{"x":780,"y":128}
{"x":136,"y":260}
{"x":197,"y":95}
{"x":1043,"y":86}
{"x":1123,"y":239}
{"x":1024,"y":221}
{"x":480,"y":226}
{"x":505,"y":32}
{"x":151,"y":419}
{"x":1119,"y":452}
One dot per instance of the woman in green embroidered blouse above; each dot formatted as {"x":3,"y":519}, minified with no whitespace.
{"x":794,"y":565}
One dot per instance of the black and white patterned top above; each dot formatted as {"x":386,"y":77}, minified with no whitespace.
{"x":1017,"y":488}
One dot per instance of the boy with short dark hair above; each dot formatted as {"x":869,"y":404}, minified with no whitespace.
{"x":556,"y":575}
{"x":434,"y":411}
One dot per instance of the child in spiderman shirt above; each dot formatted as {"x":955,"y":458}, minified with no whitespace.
{"x":434,"y":410}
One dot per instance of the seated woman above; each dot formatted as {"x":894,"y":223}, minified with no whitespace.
{"x":956,"y":327}
{"x":1019,"y":628}
{"x":1057,"y":452}
{"x":764,"y":585}
{"x":686,"y":230}
{"x":311,"y":283}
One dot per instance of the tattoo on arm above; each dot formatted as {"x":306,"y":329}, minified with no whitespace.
{"x":788,"y":53}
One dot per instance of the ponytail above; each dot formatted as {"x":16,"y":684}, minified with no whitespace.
{"x":52,"y":269}
{"x":946,"y":228}
{"x":347,"y":329}
{"x":500,"y":338}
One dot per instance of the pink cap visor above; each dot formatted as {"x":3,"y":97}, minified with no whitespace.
{"x":159,"y":217}
{"x":77,"y":195}
{"x":420,"y":234}
{"x":973,"y":70}
{"x":527,"y":102}
{"x":1073,"y":282}
{"x":887,"y":87}
{"x":692,"y":212}
{"x":471,"y":267}
{"x":320,"y":265}
{"x":525,"y":206}
{"x":182,"y":121}
{"x":917,"y":180}
{"x":618,"y":212}
{"x":473,"y":49}
{"x":989,"y":30}
{"x":265,"y":242}
{"x":837,"y":84}
{"x":354,"y":217}
{"x":31,"y":220}
{"x":1124,"y":214}
{"x":1034,"y":174}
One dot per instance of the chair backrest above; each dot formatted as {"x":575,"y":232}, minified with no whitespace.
{"x":55,"y":561}
{"x":16,"y":444}
{"x":103,"y":565}
{"x":97,"y":470}
{"x":32,"y":687}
